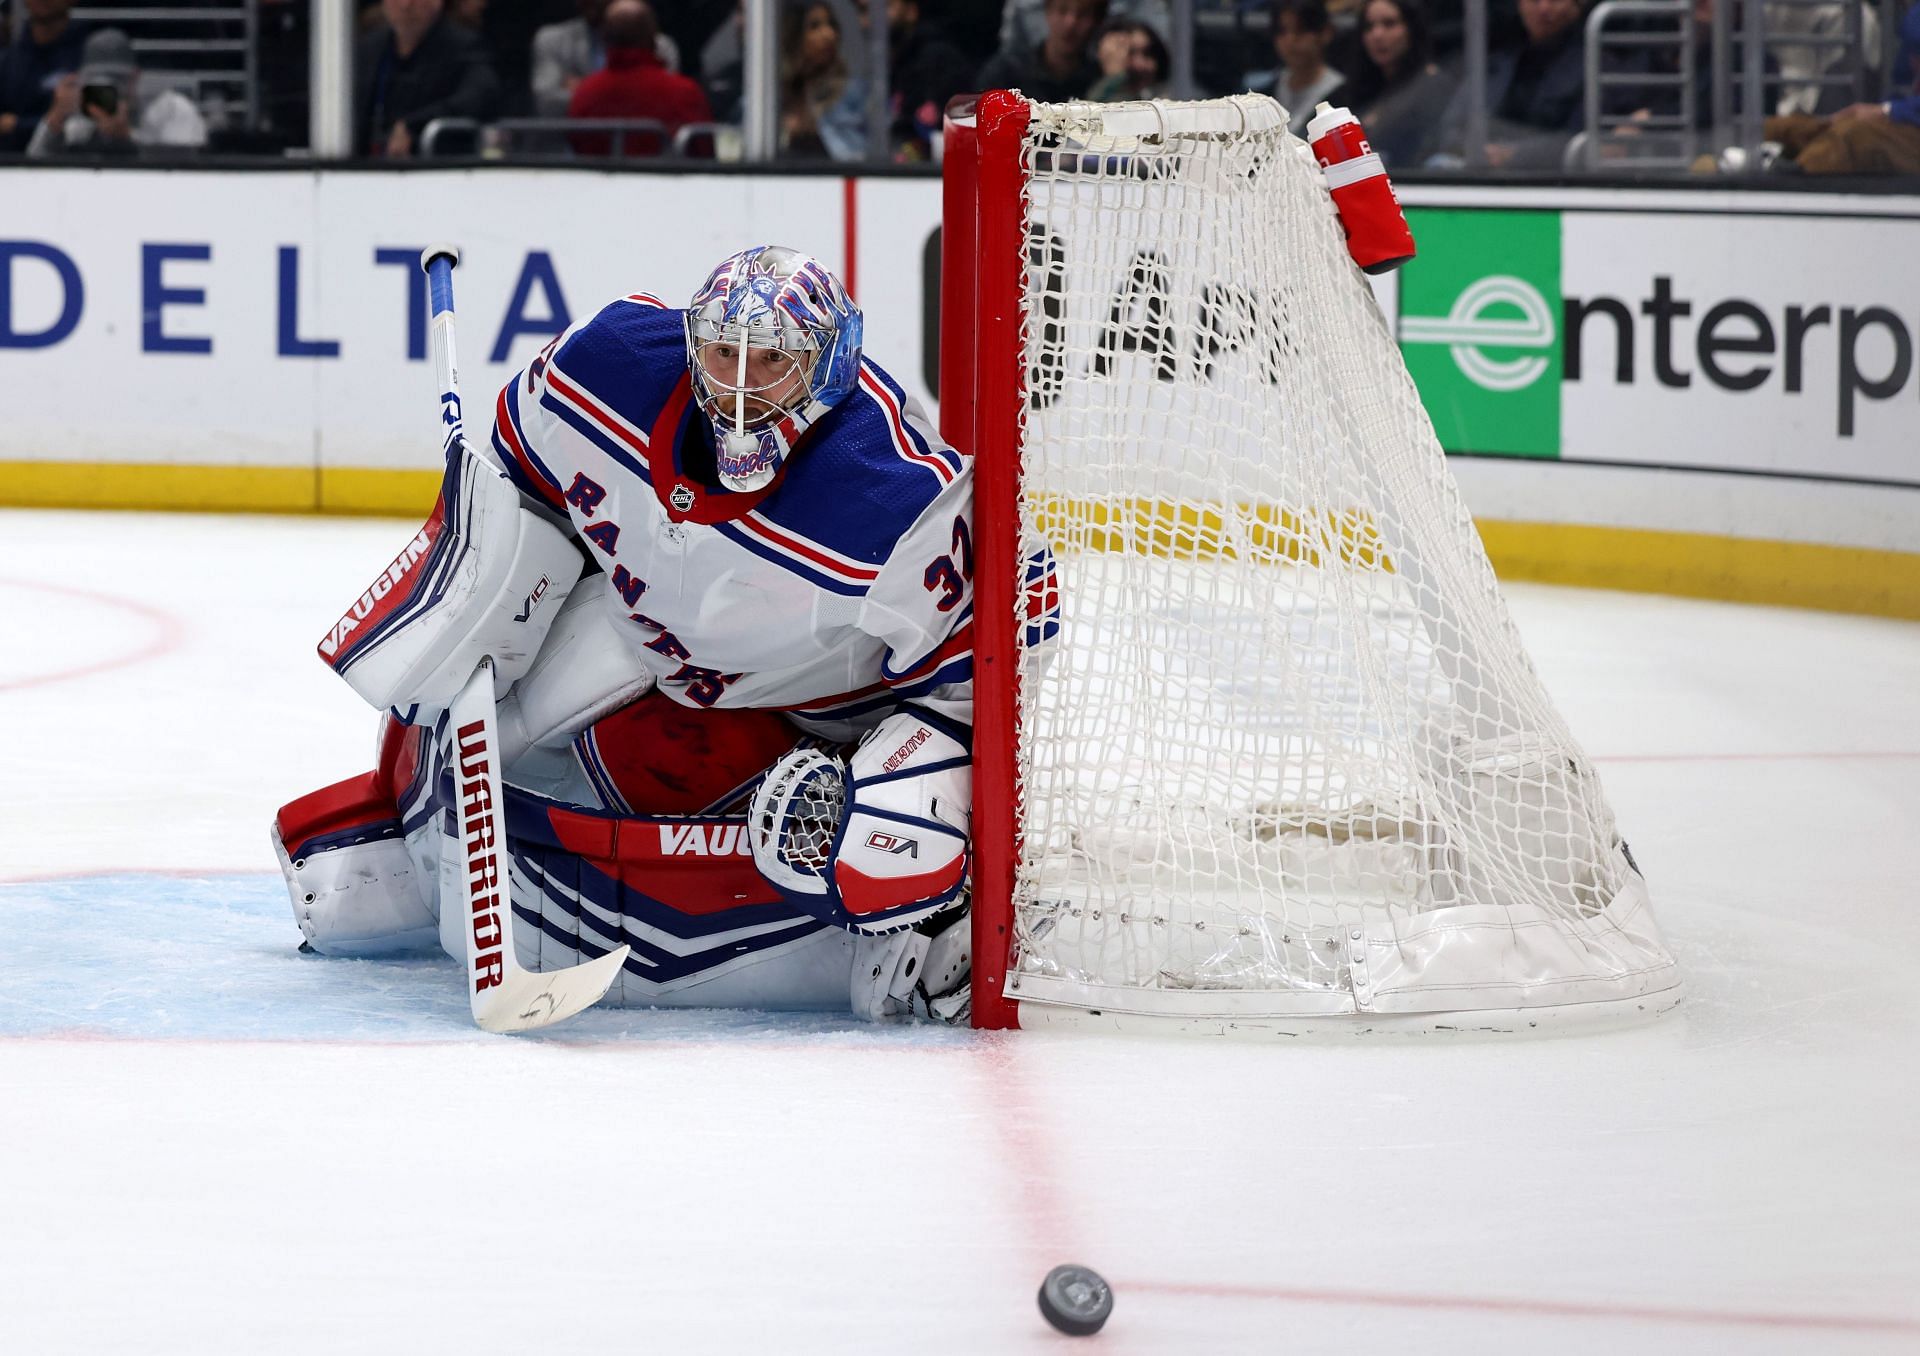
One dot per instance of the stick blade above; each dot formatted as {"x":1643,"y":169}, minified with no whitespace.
{"x":527,"y":1000}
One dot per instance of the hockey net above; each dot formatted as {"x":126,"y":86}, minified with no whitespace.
{"x":1258,"y":745}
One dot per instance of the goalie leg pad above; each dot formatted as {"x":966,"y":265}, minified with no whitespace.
{"x":880,"y":844}
{"x":349,"y":874}
{"x":704,"y":928}
{"x":356,"y":888}
{"x":359,"y":899}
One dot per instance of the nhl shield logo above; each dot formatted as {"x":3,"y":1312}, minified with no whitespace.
{"x":681,"y":498}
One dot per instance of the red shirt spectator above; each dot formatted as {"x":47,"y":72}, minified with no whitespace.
{"x":633,"y":84}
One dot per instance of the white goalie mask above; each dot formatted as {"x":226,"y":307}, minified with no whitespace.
{"x":773,"y":343}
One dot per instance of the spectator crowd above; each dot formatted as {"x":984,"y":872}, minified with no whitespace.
{"x":675,"y":67}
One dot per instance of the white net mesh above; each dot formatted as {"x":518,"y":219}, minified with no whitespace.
{"x":1286,"y":753}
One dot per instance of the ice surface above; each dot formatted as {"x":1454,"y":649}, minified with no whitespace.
{"x":209,"y":1143}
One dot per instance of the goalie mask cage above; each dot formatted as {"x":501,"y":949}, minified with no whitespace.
{"x":1257,"y":746}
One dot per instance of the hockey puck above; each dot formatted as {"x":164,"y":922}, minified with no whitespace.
{"x":1075,"y":1300}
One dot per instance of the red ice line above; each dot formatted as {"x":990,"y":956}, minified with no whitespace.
{"x":1834,"y":755}
{"x":1036,"y":1212}
{"x":1546,"y":1308}
{"x":169,"y":632}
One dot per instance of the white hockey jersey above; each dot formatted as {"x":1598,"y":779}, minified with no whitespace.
{"x":838,"y":591}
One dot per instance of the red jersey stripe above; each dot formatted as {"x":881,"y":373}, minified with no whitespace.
{"x":896,"y":422}
{"x":578,"y":398}
{"x":503,"y":420}
{"x":812,"y":552}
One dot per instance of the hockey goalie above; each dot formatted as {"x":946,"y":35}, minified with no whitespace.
{"x":721,"y":566}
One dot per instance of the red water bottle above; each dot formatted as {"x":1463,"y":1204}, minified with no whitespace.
{"x":1377,"y":234}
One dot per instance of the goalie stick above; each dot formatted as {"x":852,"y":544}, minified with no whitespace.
{"x":505,"y":997}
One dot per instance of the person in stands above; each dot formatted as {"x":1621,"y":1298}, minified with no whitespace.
{"x":110,"y":108}
{"x":1134,"y":63}
{"x":1060,"y":67}
{"x":564,"y":54}
{"x":1302,"y":32}
{"x":924,"y":70}
{"x":567,"y":52}
{"x":1394,"y":88}
{"x":1023,"y":23}
{"x":1536,"y":90}
{"x":634,"y":84}
{"x":413,"y":66}
{"x":44,"y":50}
{"x":1881,"y":138}
{"x":822,"y":107}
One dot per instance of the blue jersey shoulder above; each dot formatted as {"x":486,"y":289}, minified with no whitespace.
{"x":864,"y":475}
{"x":628,"y":357}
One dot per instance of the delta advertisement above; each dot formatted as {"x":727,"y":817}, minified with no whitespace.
{"x":279,"y":319}
{"x":275,"y":318}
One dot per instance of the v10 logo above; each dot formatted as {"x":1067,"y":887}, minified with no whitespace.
{"x":893,"y":844}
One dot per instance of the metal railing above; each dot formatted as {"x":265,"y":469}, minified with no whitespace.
{"x":555,"y":136}
{"x":1648,"y":139}
{"x":1748,"y":25}
{"x":1852,"y":73}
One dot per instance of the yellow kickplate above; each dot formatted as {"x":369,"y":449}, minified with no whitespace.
{"x":1693,"y":565}
{"x":216,"y":489}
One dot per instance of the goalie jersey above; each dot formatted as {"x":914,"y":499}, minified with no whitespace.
{"x":838,"y":591}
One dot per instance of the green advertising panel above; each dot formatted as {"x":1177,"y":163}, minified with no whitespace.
{"x":1480,"y":327}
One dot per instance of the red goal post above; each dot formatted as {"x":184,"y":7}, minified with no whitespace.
{"x":982,"y":384}
{"x":1285,"y":763}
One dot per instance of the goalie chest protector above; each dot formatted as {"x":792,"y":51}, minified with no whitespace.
{"x":837,"y":591}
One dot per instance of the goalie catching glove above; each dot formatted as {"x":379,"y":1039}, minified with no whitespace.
{"x":877,"y":844}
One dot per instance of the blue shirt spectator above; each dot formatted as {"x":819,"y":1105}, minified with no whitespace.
{"x":822,"y":107}
{"x":1903,"y":79}
{"x":47,"y":48}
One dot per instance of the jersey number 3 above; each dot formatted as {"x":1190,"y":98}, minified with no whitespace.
{"x":949,"y":575}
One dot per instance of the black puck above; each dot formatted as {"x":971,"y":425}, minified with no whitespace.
{"x":1076,"y":1300}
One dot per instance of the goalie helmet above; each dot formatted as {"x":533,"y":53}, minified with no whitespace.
{"x":773,"y":342}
